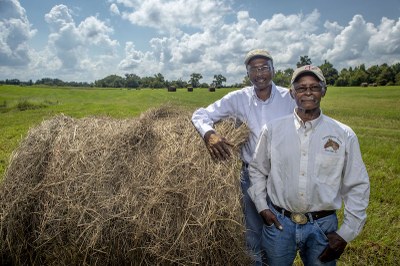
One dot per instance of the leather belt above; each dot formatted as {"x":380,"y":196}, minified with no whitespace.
{"x":302,"y":218}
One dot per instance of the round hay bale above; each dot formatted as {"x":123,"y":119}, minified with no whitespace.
{"x":172,"y":89}
{"x":141,"y":191}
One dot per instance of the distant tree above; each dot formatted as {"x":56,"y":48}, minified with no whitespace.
{"x":194,"y":79}
{"x":204,"y":85}
{"x":358,"y":76}
{"x":397,"y":79}
{"x":304,"y":60}
{"x":282,"y":78}
{"x":178,"y":83}
{"x":158,"y":81}
{"x":343,"y":79}
{"x":118,"y":82}
{"x":386,"y":77}
{"x":13,"y":82}
{"x":246,"y":81}
{"x":373,"y":73}
{"x":111,"y":81}
{"x":218,"y":80}
{"x":146,"y":82}
{"x":395,"y":68}
{"x":330,"y":73}
{"x":132,"y":81}
{"x":396,"y":72}
{"x":58,"y":82}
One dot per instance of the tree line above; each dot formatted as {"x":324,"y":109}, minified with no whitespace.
{"x":377,"y":75}
{"x":380,"y":75}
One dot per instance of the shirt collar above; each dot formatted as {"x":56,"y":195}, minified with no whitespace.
{"x":309,"y":124}
{"x":273,"y":92}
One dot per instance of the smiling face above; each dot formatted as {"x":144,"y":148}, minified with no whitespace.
{"x":260,"y":71}
{"x":308,"y":92}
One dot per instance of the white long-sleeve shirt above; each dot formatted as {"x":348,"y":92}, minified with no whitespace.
{"x":311,"y":166}
{"x":245,"y":107}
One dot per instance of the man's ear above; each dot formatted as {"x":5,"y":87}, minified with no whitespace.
{"x":324,"y":91}
{"x":291,"y":91}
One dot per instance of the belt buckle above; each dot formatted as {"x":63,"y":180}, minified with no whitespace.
{"x":298,"y":218}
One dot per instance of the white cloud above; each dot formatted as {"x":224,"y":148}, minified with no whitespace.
{"x":132,"y":59}
{"x":15,"y":32}
{"x":80,"y":48}
{"x":351,"y":43}
{"x":169,"y":16}
{"x":386,"y":39}
{"x":95,"y":31}
{"x":363,"y":43}
{"x":114,"y":9}
{"x":320,"y":43}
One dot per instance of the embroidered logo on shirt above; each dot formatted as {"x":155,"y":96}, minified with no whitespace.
{"x":331,"y":145}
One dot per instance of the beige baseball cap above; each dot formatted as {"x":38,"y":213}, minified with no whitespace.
{"x":308,"y":69}
{"x":257,"y":53}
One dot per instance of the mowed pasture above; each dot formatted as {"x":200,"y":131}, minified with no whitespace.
{"x":372,"y":112}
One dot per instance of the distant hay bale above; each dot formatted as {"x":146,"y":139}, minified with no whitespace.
{"x":104,"y":191}
{"x":172,"y":89}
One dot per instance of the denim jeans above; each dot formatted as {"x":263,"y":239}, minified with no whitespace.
{"x":310,"y":239}
{"x":253,"y":221}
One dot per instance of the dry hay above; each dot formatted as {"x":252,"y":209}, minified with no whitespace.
{"x":108,"y":191}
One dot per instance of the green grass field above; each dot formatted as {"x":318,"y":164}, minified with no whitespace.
{"x":372,"y":112}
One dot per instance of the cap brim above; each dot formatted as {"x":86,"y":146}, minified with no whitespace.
{"x":317,"y":75}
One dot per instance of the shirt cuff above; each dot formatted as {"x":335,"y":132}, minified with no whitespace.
{"x":261,"y":205}
{"x":204,"y":129}
{"x":259,"y":201}
{"x":346,"y":233}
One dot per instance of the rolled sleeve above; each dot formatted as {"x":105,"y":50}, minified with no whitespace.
{"x":202,"y":121}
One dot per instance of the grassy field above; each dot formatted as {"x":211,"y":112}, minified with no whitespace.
{"x":373,"y":113}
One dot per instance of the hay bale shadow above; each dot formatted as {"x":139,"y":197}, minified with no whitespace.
{"x":108,"y":191}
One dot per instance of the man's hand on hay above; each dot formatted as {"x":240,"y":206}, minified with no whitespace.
{"x":270,"y":219}
{"x":217,"y":146}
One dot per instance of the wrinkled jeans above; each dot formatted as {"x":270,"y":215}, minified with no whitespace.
{"x":310,"y":239}
{"x":253,"y":221}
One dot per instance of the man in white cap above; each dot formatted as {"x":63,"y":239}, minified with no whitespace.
{"x":307,"y":164}
{"x":254,"y":105}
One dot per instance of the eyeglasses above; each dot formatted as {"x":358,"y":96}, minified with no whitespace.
{"x":314,"y":88}
{"x":263,"y":70}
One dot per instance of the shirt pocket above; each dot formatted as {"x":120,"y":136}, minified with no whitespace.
{"x":328,"y":169}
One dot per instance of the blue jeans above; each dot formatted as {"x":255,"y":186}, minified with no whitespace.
{"x":310,"y":239}
{"x":253,"y":221}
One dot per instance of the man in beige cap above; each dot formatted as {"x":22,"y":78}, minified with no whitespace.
{"x":254,"y":105}
{"x":307,"y":164}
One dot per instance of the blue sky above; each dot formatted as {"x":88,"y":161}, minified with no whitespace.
{"x":88,"y":40}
